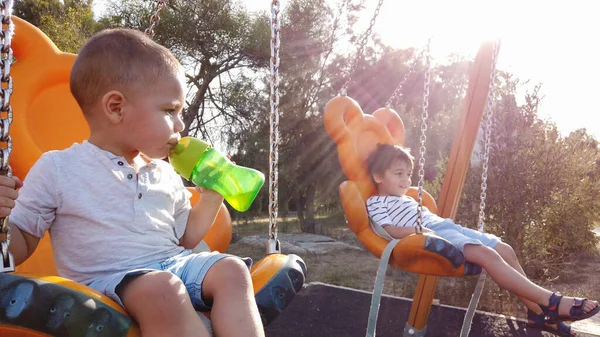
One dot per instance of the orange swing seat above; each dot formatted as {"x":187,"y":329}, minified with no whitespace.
{"x":356,"y":135}
{"x":34,"y":301}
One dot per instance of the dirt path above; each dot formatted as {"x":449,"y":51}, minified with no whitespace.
{"x":592,"y":324}
{"x":356,"y":268}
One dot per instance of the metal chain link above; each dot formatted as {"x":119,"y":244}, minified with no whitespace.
{"x":273,"y":243}
{"x":361,"y":48}
{"x":488,"y":138}
{"x":6,"y":88}
{"x":423,"y":138}
{"x":398,"y":90}
{"x":466,"y":327}
{"x":155,"y":18}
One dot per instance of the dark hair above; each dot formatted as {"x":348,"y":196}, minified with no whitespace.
{"x":381,"y":159}
{"x":114,"y":59}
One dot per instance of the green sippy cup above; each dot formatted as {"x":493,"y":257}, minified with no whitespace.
{"x":199,"y":162}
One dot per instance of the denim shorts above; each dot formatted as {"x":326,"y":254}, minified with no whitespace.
{"x":190,"y":267}
{"x":459,"y":236}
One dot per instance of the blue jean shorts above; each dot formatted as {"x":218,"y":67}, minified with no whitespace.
{"x":190,"y":267}
{"x":459,"y":236}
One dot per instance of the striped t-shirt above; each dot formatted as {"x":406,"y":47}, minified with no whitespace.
{"x":398,"y":212}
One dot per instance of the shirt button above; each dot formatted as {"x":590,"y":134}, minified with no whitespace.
{"x":130,"y":176}
{"x":120,"y":163}
{"x":139,"y":195}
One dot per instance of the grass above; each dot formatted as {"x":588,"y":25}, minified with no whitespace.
{"x":356,"y":268}
{"x":325,"y":225}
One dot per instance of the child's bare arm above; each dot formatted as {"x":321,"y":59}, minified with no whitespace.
{"x":201,"y":217}
{"x":401,"y":232}
{"x":22,"y":244}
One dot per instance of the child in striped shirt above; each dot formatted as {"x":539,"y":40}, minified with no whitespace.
{"x":391,"y":168}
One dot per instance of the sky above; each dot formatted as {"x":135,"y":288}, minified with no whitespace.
{"x":542,"y":41}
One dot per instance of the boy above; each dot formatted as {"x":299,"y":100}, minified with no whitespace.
{"x":391,"y":168}
{"x":119,"y":217}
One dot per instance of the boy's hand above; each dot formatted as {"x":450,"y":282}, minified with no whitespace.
{"x":8,"y":194}
{"x":208,"y":193}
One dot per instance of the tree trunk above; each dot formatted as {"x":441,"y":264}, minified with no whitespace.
{"x":300,"y":212}
{"x":284,"y":206}
{"x":260,"y":203}
{"x":310,"y":208}
{"x":306,"y":210}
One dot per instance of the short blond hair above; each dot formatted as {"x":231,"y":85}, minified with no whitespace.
{"x":115,"y":59}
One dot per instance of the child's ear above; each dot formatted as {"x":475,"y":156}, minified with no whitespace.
{"x":378,"y":178}
{"x":113,"y":103}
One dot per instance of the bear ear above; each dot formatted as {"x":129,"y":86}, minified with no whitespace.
{"x":46,"y":117}
{"x":30,"y":45}
{"x":390,"y":119}
{"x":357,"y":134}
{"x":340,"y":113}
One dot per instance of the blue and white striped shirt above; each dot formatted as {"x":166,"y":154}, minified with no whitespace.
{"x":398,"y":212}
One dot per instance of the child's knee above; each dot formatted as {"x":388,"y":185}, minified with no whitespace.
{"x":230,"y":272}
{"x":480,"y":254}
{"x":154,"y":286}
{"x":231,"y":269}
{"x":506,"y":251}
{"x":159,"y":300}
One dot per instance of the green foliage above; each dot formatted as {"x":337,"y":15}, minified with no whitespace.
{"x":309,"y":170}
{"x":220,"y":45}
{"x":69,"y":24}
{"x":542,"y":188}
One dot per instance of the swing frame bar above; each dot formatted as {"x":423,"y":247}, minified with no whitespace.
{"x":454,"y":179}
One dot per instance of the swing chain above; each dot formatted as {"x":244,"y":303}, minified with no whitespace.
{"x":361,"y":48}
{"x":488,"y":138}
{"x":273,"y":243}
{"x":155,"y":18}
{"x":398,"y":91}
{"x":6,"y":88}
{"x":423,"y":138}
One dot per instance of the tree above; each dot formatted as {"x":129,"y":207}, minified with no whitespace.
{"x":308,"y":162}
{"x":220,"y":45}
{"x":69,"y":24}
{"x":541,"y":186}
{"x":312,"y":73}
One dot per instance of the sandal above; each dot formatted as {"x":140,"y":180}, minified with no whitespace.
{"x":539,"y":321}
{"x":575,"y":314}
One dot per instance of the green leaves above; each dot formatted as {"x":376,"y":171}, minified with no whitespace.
{"x":68,"y":24}
{"x":541,"y":188}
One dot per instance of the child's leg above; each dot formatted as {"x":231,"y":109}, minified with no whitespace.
{"x":234,"y":312}
{"x":508,"y":254}
{"x":510,"y":279}
{"x":160,"y":304}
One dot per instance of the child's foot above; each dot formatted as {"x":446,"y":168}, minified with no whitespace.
{"x":570,"y":309}
{"x":561,"y":329}
{"x":538,"y":321}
